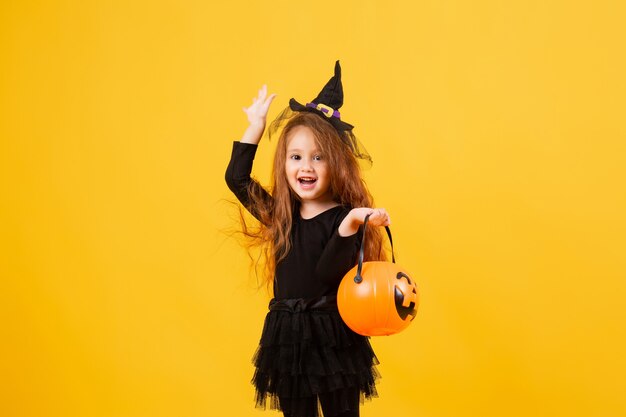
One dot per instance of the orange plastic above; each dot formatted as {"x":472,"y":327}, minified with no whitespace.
{"x":383,"y":303}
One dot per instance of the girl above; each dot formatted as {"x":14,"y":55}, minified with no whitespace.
{"x":310,"y":229}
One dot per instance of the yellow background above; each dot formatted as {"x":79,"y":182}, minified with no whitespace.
{"x":498,"y":137}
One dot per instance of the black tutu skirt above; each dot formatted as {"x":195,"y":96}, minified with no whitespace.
{"x":306,"y":350}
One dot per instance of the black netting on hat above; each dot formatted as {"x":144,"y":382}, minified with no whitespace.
{"x":347,"y":136}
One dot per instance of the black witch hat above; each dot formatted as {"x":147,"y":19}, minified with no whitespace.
{"x":326,"y":105}
{"x":327,"y":102}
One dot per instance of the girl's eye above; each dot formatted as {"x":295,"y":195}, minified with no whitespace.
{"x":296,"y":157}
{"x":317,"y":157}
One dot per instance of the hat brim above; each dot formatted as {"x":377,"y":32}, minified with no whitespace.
{"x":338,"y":124}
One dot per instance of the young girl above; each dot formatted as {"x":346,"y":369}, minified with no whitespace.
{"x":310,"y":227}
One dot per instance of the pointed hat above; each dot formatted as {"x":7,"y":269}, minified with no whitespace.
{"x":327,"y":102}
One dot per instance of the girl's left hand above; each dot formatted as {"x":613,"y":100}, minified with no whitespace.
{"x":378,"y":216}
{"x":356,"y":217}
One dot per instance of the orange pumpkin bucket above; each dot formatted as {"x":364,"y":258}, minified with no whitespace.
{"x":377,"y":298}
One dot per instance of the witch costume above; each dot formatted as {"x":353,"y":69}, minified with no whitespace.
{"x":307,"y":357}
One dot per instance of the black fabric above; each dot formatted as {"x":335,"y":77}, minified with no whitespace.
{"x":329,"y":401}
{"x":306,"y":354}
{"x":332,"y":96}
{"x":238,"y":174}
{"x":320,"y":257}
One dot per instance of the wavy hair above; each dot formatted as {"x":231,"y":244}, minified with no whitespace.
{"x":347,"y":187}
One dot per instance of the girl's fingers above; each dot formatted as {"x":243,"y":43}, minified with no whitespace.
{"x":379,"y":217}
{"x":262,"y":99}
{"x":269,"y":100}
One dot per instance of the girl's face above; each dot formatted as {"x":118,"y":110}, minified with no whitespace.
{"x":306,"y":168}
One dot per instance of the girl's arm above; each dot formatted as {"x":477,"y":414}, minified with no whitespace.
{"x":356,"y":217}
{"x":341,"y":250}
{"x":240,"y":166}
{"x":253,"y":134}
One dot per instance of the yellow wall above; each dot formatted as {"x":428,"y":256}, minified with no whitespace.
{"x":498,"y":137}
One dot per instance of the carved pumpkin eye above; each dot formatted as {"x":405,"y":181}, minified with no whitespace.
{"x":405,"y":297}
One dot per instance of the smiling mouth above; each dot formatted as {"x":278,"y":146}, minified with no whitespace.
{"x":307,"y":182}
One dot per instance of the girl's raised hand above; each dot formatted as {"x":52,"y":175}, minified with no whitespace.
{"x":257,"y":112}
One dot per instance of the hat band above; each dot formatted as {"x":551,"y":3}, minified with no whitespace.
{"x":327,"y":110}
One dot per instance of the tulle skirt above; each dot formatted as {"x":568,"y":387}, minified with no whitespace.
{"x":306,"y":350}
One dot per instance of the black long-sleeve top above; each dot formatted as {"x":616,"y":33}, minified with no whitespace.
{"x":319,"y":256}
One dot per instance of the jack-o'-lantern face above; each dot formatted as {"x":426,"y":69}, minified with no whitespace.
{"x":383,"y":302}
{"x":405,"y":295}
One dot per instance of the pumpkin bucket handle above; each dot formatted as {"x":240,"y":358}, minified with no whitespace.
{"x":358,"y":278}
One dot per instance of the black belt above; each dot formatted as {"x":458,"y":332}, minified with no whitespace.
{"x":297,"y":305}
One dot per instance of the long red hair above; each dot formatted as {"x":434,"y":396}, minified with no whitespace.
{"x":271,"y":236}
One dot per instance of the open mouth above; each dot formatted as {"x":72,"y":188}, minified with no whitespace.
{"x":307,"y":182}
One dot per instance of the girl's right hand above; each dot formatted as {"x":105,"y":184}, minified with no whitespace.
{"x":257,"y":112}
